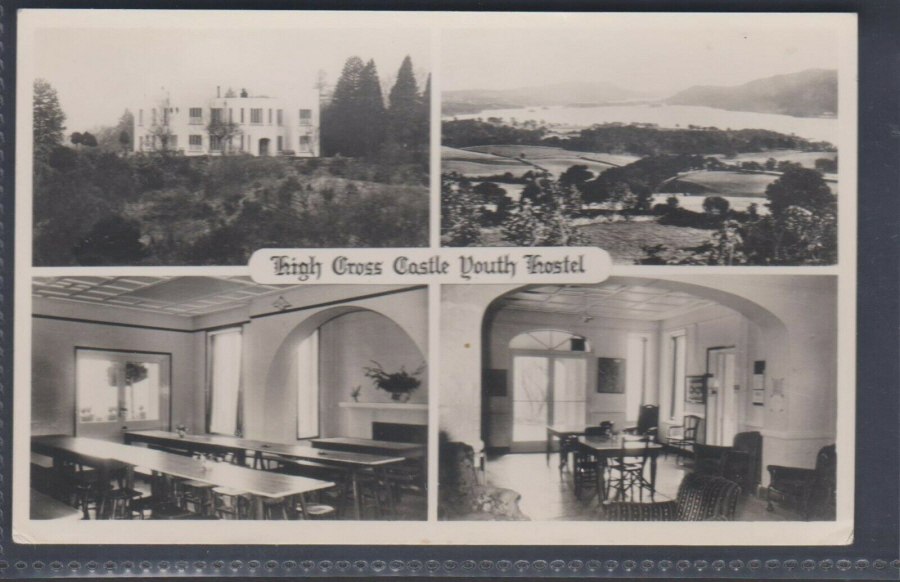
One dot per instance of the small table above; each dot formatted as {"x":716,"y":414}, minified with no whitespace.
{"x":44,"y":507}
{"x":604,"y":448}
{"x":562,"y":431}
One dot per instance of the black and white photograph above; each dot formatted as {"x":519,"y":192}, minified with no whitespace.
{"x":155,"y":146}
{"x":533,"y":429}
{"x":714,"y":143}
{"x":217,"y":398}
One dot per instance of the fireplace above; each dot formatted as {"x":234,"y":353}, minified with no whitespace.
{"x":399,"y":432}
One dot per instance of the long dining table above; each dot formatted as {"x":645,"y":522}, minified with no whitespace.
{"x":370,"y":446}
{"x":611,"y":447}
{"x":352,"y":462}
{"x":561,"y":432}
{"x":105,"y":456}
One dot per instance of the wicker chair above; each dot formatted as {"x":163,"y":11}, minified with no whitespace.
{"x":462,"y":498}
{"x":700,"y":498}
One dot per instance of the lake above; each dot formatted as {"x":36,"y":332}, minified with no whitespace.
{"x":813,"y":128}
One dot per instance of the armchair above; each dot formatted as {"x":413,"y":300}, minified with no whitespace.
{"x":814,"y":489}
{"x":648,"y":419}
{"x":462,"y":498}
{"x":700,"y":498}
{"x":739,"y":463}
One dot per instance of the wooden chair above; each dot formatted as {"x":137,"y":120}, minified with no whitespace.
{"x":627,"y":474}
{"x":648,"y":419}
{"x":568,"y":445}
{"x":683,"y":435}
{"x":231,"y":503}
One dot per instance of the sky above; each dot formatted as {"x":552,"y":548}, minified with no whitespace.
{"x":98,"y":73}
{"x":659,"y":61}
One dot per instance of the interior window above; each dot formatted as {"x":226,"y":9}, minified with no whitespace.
{"x":224,"y":380}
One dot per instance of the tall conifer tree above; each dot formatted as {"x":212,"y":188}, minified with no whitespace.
{"x":372,"y":119}
{"x":404,"y":105}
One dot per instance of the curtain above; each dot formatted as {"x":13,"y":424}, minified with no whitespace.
{"x":225,"y":382}
{"x":308,"y":387}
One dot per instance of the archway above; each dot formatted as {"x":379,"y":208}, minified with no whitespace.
{"x":345,"y":340}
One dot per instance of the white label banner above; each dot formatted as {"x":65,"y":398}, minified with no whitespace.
{"x":494,"y":265}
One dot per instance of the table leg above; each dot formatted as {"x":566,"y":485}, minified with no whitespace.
{"x":302,"y":500}
{"x":601,"y":479}
{"x":258,"y":508}
{"x":653,"y":475}
{"x":382,"y":474}
{"x":549,"y":445}
{"x":354,"y":487}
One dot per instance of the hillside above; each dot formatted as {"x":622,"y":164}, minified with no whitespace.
{"x":810,"y":93}
{"x":574,"y":93}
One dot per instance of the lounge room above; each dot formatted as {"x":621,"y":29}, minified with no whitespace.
{"x":222,"y":398}
{"x":670,"y":398}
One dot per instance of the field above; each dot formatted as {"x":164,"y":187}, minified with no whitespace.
{"x":623,"y":240}
{"x":553,"y":160}
{"x":721,"y":183}
{"x":805,"y":159}
{"x":474,"y":164}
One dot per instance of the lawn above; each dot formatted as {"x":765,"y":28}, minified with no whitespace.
{"x":474,"y":164}
{"x":805,"y":159}
{"x":554,"y":160}
{"x":624,"y":240}
{"x":722,"y":183}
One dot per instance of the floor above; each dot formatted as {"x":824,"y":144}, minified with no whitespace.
{"x":547,"y":495}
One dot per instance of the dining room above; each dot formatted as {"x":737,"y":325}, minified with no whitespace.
{"x":666,"y":398}
{"x":221,"y":398}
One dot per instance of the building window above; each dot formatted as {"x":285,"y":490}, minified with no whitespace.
{"x":256,"y":116}
{"x":215,"y":143}
{"x":280,"y":117}
{"x":195,"y":142}
{"x":153,"y":116}
{"x":305,"y":116}
{"x":224,"y":353}
{"x":242,"y":115}
{"x":173,"y":142}
{"x":674,"y":370}
{"x":280,"y":143}
{"x":215,"y":115}
{"x":304,"y":143}
{"x":637,"y":371}
{"x":270,"y":117}
{"x":140,"y":117}
{"x":308,"y":387}
{"x":196,"y":114}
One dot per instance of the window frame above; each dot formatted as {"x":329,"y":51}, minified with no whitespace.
{"x":210,"y":391}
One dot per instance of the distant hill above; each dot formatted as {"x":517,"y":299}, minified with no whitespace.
{"x":810,"y":93}
{"x":574,"y":93}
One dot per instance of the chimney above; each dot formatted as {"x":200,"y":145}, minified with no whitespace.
{"x":218,"y":91}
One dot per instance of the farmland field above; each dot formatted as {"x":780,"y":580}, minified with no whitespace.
{"x":805,"y":159}
{"x":695,"y":203}
{"x":554,"y":160}
{"x":474,"y":164}
{"x":721,"y":183}
{"x":623,"y":240}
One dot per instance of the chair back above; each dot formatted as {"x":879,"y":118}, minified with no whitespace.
{"x":648,"y":418}
{"x":706,"y":498}
{"x":822,"y":497}
{"x":691,"y":425}
{"x":708,"y":459}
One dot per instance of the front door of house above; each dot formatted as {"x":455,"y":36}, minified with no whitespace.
{"x":118,"y":391}
{"x":264,"y":146}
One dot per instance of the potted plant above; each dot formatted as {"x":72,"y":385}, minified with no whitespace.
{"x":400,"y":384}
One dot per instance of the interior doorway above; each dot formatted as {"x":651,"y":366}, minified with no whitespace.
{"x":721,"y":401}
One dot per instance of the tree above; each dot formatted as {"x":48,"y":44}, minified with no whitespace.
{"x":49,"y":120}
{"x":125,"y":141}
{"x":112,"y":241}
{"x":76,"y":138}
{"x":672,"y":202}
{"x":827,"y":165}
{"x":223,"y":130}
{"x":800,"y":187}
{"x":771,"y":164}
{"x":490,"y":192}
{"x":88,"y":139}
{"x":340,"y":119}
{"x":576,"y":176}
{"x":371,"y":115}
{"x":716,"y":206}
{"x":160,"y":130}
{"x":404,"y":106}
{"x":125,"y":129}
{"x":461,"y":215}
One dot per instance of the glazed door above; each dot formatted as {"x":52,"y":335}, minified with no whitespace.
{"x":119,"y":391}
{"x":721,"y":403}
{"x":546,"y":390}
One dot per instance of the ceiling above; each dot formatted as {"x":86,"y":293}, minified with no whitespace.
{"x":649,"y":301}
{"x":184,"y":296}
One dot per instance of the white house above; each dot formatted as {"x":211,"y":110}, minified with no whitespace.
{"x":260,"y":126}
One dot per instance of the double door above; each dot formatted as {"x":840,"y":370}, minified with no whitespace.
{"x":547,"y":389}
{"x":119,"y":391}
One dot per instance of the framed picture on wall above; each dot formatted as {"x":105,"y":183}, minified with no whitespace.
{"x":610,"y":376}
{"x":695,"y":389}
